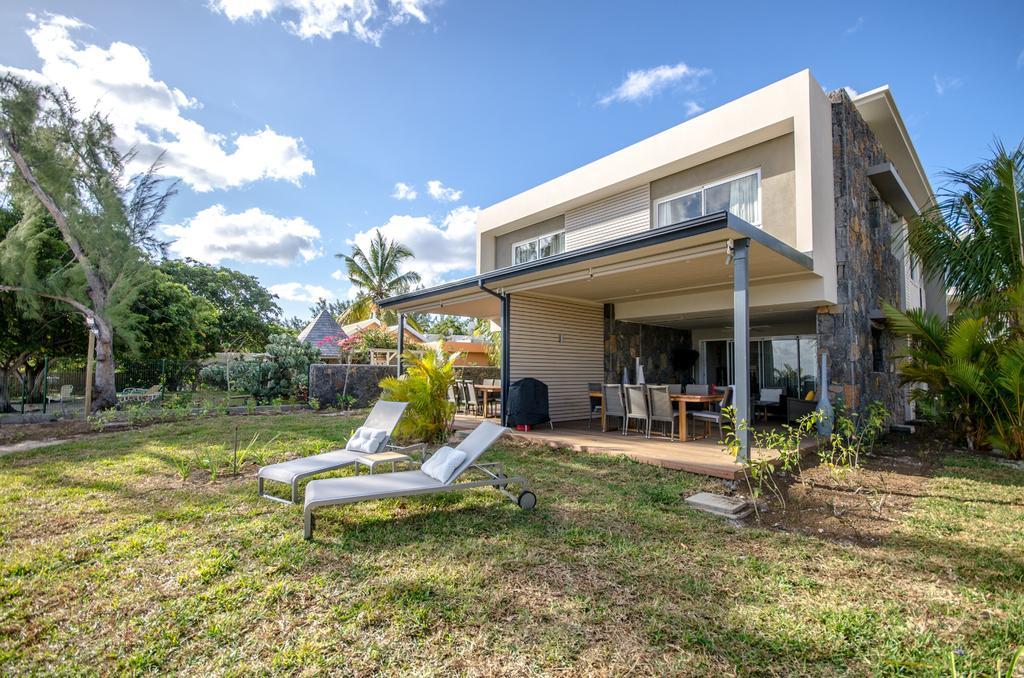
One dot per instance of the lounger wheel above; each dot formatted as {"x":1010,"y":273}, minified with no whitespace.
{"x":527,"y":500}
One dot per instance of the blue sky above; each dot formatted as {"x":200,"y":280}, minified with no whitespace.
{"x":290,"y":129}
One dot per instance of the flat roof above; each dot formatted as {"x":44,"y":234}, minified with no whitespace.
{"x":655,"y":262}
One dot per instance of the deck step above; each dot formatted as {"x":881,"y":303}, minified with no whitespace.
{"x":733,"y":508}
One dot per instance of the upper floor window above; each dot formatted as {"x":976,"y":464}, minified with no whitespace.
{"x":539,"y":248}
{"x":740,"y":195}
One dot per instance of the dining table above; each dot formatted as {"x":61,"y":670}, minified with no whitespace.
{"x":485,"y":391}
{"x":683,"y":399}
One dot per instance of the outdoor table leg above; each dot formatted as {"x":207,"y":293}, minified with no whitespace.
{"x":682,"y":421}
{"x":487,"y":411}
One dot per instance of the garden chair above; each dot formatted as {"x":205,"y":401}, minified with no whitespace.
{"x":384,"y":417}
{"x":472,"y":402}
{"x":595,"y":403}
{"x":715,"y":416}
{"x":661,"y":409}
{"x":63,"y":397}
{"x":439,"y":474}
{"x":139,"y":396}
{"x":613,"y":405}
{"x":636,"y":408}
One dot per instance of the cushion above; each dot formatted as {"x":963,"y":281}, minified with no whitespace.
{"x":367,"y":440}
{"x":809,"y":396}
{"x":442,"y":464}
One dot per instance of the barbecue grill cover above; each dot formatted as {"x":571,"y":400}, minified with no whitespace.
{"x":528,"y":403}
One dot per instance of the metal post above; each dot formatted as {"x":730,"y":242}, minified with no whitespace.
{"x":401,"y":341}
{"x":90,"y":351}
{"x":741,"y":342}
{"x":506,"y":321}
{"x":46,"y":380}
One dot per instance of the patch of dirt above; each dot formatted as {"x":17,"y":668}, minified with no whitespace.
{"x":61,"y":429}
{"x":859,"y":507}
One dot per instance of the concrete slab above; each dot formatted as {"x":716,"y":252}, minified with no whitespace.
{"x":732,"y":508}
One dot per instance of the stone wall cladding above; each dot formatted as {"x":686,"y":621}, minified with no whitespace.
{"x":624,"y":342}
{"x":868,"y":271}
{"x":327,"y":381}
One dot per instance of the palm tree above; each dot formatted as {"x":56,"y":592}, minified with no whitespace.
{"x":973,"y":238}
{"x":376,"y":276}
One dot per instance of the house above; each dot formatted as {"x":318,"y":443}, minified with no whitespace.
{"x":473,"y":351}
{"x":753,"y":239}
{"x":324,"y":333}
{"x":355,"y":329}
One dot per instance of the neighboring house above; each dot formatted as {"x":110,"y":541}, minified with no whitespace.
{"x":472,"y":350}
{"x":357,"y":328}
{"x":324,"y":333}
{"x":768,"y":223}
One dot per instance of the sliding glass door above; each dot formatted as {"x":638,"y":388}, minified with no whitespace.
{"x":789,"y":363}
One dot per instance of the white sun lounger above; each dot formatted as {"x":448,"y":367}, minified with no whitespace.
{"x":384,"y":415}
{"x":334,"y":491}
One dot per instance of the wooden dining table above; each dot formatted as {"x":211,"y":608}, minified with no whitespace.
{"x":681,"y":398}
{"x":486,"y":390}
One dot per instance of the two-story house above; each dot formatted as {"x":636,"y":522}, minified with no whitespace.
{"x":751,"y":239}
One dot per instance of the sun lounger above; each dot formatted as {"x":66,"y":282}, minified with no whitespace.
{"x":334,"y":491}
{"x":384,"y":417}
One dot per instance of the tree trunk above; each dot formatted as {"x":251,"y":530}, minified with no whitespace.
{"x":5,"y":396}
{"x":104,"y":392}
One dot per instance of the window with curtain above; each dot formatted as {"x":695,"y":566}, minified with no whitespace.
{"x":740,"y":196}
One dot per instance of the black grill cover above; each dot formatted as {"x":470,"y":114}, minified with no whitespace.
{"x":528,"y":403}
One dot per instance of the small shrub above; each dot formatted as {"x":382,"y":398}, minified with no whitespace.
{"x":425,"y":387}
{"x":346,"y":401}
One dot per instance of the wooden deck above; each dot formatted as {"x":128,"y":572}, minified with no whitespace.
{"x":705,"y":457}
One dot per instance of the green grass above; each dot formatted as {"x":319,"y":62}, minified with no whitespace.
{"x":110,"y":563}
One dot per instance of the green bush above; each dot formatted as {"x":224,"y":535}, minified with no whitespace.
{"x":425,"y":387}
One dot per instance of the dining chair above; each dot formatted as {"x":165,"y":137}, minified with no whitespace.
{"x":613,"y":405}
{"x":661,"y":409}
{"x":636,"y":408}
{"x":698,"y":389}
{"x":469,"y":395}
{"x":674,"y":389}
{"x":595,"y":404}
{"x":715,"y":415}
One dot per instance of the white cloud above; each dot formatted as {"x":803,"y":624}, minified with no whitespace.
{"x":947,"y":84}
{"x":338,"y":274}
{"x":366,"y":20}
{"x":149,"y":114}
{"x":294,"y":291}
{"x":439,"y":191}
{"x":213,"y":235}
{"x":645,"y":84}
{"x":440,"y":249}
{"x":857,"y":25}
{"x":692,"y":108}
{"x":404,"y":191}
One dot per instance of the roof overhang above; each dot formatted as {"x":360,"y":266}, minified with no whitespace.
{"x":690,"y":255}
{"x":878,"y":108}
{"x":892,"y":189}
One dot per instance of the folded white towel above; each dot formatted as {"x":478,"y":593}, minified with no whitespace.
{"x":442,"y":464}
{"x":367,"y":440}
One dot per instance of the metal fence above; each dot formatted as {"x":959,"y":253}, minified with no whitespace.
{"x":60,"y":384}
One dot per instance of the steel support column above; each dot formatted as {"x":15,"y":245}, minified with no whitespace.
{"x":741,"y":342}
{"x":506,"y":315}
{"x":401,"y":341}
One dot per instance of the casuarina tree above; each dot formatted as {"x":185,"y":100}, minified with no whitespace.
{"x":56,"y":162}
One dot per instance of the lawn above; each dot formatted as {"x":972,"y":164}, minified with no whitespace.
{"x":111,"y":562}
